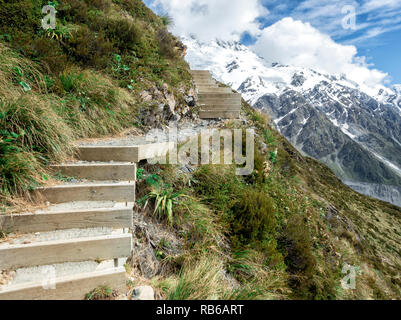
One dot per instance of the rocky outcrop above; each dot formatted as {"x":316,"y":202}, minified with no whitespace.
{"x":161,"y":105}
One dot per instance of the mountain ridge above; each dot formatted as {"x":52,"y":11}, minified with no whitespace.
{"x":351,"y":127}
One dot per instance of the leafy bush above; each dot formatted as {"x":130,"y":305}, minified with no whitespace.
{"x":164,"y":198}
{"x":218,"y":185}
{"x":73,"y":11}
{"x":90,"y":49}
{"x":19,"y":169}
{"x":123,"y":33}
{"x":305,"y":279}
{"x":253,"y":219}
{"x":167,"y":20}
{"x":42,"y":129}
{"x":101,"y":293}
{"x":47,"y":52}
{"x":24,"y":15}
{"x":70,"y":81}
{"x":166,"y":43}
{"x":100,"y":4}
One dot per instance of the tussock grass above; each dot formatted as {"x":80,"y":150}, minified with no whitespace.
{"x":81,"y":80}
{"x":203,"y":227}
{"x":41,"y":129}
{"x":202,"y":279}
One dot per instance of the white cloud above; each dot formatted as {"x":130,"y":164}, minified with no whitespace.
{"x":376,"y":4}
{"x":293,"y":42}
{"x":210,"y":19}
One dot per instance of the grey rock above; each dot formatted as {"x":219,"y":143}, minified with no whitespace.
{"x":143,"y":293}
{"x":190,"y":100}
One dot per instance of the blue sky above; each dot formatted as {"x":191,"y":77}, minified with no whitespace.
{"x":374,"y":41}
{"x":378,"y":26}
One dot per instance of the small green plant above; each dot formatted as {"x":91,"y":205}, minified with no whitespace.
{"x":19,"y":78}
{"x":269,"y":137}
{"x":6,"y":37}
{"x":153,"y":180}
{"x":166,"y":20}
{"x":164,"y":199}
{"x":71,"y":81}
{"x":59,"y":176}
{"x":118,"y":65}
{"x":16,"y":164}
{"x":3,"y":234}
{"x":140,"y":173}
{"x":273,"y":156}
{"x":101,"y":293}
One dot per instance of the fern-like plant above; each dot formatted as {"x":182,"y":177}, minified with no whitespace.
{"x":164,"y":198}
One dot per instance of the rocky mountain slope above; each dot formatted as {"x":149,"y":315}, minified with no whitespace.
{"x":353,"y":128}
{"x":112,"y":70}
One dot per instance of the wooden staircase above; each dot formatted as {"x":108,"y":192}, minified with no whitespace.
{"x":216,"y":102}
{"x":84,"y":233}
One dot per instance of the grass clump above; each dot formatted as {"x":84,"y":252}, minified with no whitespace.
{"x":67,"y":83}
{"x":164,"y":198}
{"x":101,"y":293}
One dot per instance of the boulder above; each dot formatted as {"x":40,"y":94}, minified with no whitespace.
{"x":143,"y":293}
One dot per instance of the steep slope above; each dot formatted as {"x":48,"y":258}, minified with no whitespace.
{"x":283,"y":232}
{"x":108,"y":66}
{"x":353,"y":128}
{"x":286,"y":231}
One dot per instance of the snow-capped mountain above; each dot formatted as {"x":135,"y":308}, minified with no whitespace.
{"x":352,"y":127}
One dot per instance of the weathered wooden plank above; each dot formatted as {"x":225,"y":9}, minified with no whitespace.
{"x":222,"y":106}
{"x":121,"y":153}
{"x":207,"y":90}
{"x":219,"y":114}
{"x":154,"y":150}
{"x":193,"y":72}
{"x":75,"y":250}
{"x":220,"y":96}
{"x":99,"y":171}
{"x":109,"y":153}
{"x":73,"y":287}
{"x":77,"y":219}
{"x":88,"y":192}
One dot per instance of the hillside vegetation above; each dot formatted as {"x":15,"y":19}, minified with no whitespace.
{"x":81,"y":80}
{"x":284,"y":232}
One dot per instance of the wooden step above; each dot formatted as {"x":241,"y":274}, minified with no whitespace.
{"x":220,"y":108}
{"x":118,"y":217}
{"x":219,"y":102}
{"x":212,"y":87}
{"x":196,"y":72}
{"x":121,"y":192}
{"x":73,"y":287}
{"x":201,"y":75}
{"x":214,"y":90}
{"x":231,"y":95}
{"x":219,"y":114}
{"x":205,"y":83}
{"x":207,"y":86}
{"x":74,"y":250}
{"x":203,"y":78}
{"x":222,"y":104}
{"x":125,"y":153}
{"x":98,"y":171}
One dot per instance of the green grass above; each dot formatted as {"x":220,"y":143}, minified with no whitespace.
{"x":100,"y":293}
{"x":81,"y":80}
